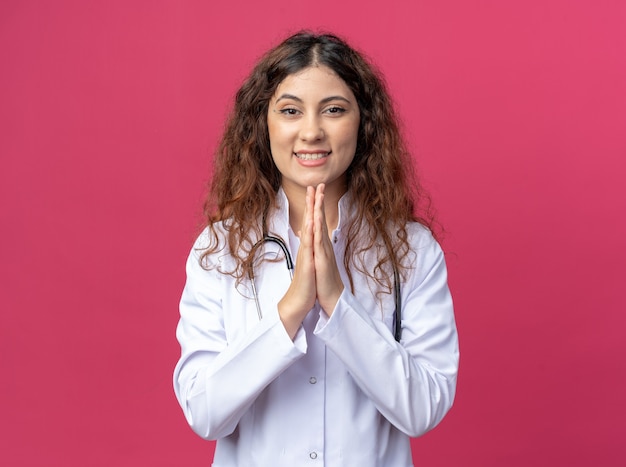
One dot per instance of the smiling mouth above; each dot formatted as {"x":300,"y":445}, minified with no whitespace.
{"x":311,"y":156}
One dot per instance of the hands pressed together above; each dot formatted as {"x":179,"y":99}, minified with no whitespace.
{"x":316,"y":275}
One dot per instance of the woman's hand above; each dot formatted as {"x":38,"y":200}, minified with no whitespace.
{"x":328,"y":281}
{"x":301,"y":294}
{"x":316,"y":275}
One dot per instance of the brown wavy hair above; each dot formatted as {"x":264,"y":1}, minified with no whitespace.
{"x":381,"y":178}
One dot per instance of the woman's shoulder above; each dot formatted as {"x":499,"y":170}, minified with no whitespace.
{"x":419,"y":235}
{"x":208,"y":236}
{"x":211,"y":244}
{"x":425,"y":250}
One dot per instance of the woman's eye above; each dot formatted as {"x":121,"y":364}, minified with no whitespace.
{"x":335,"y":110}
{"x":288,"y":111}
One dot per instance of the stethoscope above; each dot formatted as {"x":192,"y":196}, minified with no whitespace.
{"x":397,"y":314}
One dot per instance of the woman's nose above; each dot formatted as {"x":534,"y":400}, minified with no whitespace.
{"x":311,"y":129}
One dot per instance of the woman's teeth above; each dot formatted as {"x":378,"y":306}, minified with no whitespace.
{"x":311,"y":157}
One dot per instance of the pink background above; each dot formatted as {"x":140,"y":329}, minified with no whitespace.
{"x":109,"y":111}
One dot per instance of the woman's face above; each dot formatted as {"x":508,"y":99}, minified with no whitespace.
{"x":313,"y":121}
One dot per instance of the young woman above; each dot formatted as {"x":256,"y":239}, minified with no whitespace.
{"x":341,"y":364}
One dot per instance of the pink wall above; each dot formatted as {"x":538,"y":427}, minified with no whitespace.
{"x":109,"y":111}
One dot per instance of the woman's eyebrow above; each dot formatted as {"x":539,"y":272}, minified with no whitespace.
{"x":323,"y":101}
{"x":334,"y":98}
{"x":289,"y":96}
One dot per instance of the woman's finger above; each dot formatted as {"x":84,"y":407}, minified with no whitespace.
{"x":328,"y":281}
{"x":301,"y":294}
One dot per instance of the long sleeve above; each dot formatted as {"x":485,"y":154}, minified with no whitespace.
{"x":344,"y":392}
{"x":217,"y":379}
{"x":412,"y":383}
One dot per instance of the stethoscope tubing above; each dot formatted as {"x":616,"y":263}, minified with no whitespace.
{"x":288,"y":259}
{"x":397,"y":333}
